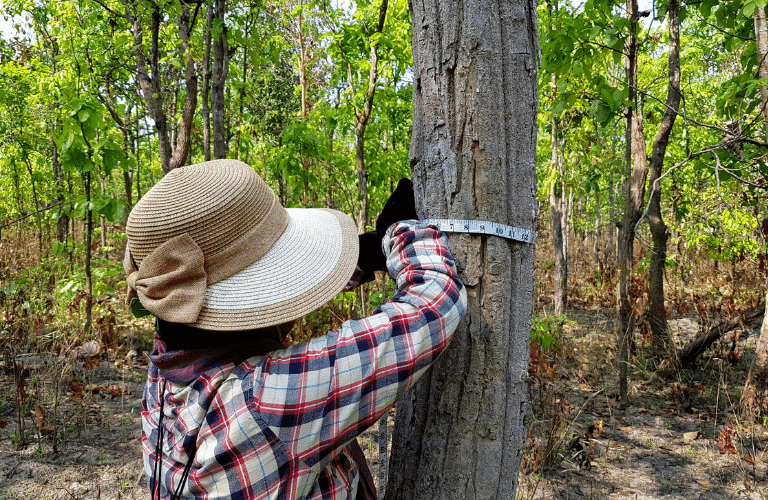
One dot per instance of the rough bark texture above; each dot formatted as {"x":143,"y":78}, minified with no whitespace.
{"x":207,"y":84}
{"x":150,"y":79}
{"x":754,"y":399}
{"x":558,"y":228}
{"x":662,"y":338}
{"x":460,"y":431}
{"x":637,"y":159}
{"x":219,"y":78}
{"x":761,"y":38}
{"x":362,"y":116}
{"x":151,"y":86}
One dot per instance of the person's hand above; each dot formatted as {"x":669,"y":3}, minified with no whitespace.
{"x":400,"y":206}
{"x":371,"y":258}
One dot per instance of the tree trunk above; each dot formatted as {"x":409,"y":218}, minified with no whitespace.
{"x":638,"y":161}
{"x":207,"y":84}
{"x":88,"y":327}
{"x":362,"y":116}
{"x":241,"y":91}
{"x":303,"y":83}
{"x":754,"y":399}
{"x":662,"y":337}
{"x":558,"y":240}
{"x":151,"y":80}
{"x":460,"y":431}
{"x":151,"y":86}
{"x":62,"y":221}
{"x":184,"y":134}
{"x":596,"y":232}
{"x":761,"y":37}
{"x":219,"y":78}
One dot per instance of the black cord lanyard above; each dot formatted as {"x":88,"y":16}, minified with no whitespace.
{"x":158,"y":468}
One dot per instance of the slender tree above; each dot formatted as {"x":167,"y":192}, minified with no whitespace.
{"x":662,"y":338}
{"x":637,"y":173}
{"x":219,"y":79}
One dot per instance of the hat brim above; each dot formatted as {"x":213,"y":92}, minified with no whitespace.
{"x":308,"y":265}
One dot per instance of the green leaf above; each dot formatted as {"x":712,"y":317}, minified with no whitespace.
{"x":114,"y":210}
{"x":749,"y":8}
{"x":59,"y":248}
{"x":137,"y":309}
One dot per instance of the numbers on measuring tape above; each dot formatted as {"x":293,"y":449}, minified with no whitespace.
{"x":483,"y":227}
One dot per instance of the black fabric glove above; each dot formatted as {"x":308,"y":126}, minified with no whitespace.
{"x":400,"y":206}
{"x":371,"y":258}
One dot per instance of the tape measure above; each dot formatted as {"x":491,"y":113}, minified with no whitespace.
{"x":483,"y":227}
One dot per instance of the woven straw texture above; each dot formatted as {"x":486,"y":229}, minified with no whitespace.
{"x":265,"y":265}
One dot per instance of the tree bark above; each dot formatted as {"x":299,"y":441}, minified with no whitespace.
{"x":219,"y":78}
{"x":150,"y":79}
{"x":761,"y":38}
{"x":637,"y":163}
{"x":558,"y":218}
{"x":362,"y":116}
{"x":151,"y":86}
{"x":184,"y":134}
{"x":62,"y":220}
{"x":754,"y":399}
{"x":207,"y":84}
{"x":662,"y":338}
{"x":460,"y":431}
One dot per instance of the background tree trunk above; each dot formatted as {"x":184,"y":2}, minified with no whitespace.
{"x":556,"y":205}
{"x":637,"y":164}
{"x":151,"y":80}
{"x":460,"y":431}
{"x":362,"y":116}
{"x":761,"y":38}
{"x":754,"y":399}
{"x":207,"y":84}
{"x":219,"y":78}
{"x":662,"y":338}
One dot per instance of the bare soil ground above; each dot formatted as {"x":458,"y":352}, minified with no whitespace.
{"x":662,"y":445}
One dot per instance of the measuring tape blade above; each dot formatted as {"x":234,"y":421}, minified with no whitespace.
{"x":483,"y":227}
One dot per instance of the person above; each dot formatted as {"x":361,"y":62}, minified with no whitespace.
{"x":229,"y":410}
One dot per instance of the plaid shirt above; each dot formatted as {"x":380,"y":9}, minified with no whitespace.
{"x":276,"y":426}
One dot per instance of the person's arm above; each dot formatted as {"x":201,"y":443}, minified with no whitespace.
{"x":319,"y":395}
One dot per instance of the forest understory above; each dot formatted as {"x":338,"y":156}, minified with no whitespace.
{"x":70,"y":404}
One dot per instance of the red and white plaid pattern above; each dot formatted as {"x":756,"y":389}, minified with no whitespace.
{"x":276,"y":426}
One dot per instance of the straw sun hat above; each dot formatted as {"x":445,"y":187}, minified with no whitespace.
{"x":210,"y":246}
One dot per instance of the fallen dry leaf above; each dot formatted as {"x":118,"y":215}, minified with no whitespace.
{"x":40,"y":414}
{"x":625,"y":429}
{"x":703,"y":483}
{"x":691,"y":436}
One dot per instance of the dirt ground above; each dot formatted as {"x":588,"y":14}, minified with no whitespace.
{"x":662,"y":445}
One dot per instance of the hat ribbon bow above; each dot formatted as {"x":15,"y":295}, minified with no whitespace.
{"x":171,"y":281}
